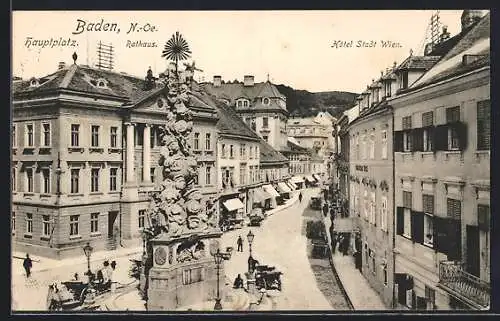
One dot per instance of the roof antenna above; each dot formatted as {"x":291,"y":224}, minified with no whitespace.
{"x":267,"y":76}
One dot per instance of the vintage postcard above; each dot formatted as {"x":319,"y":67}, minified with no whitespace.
{"x":250,"y":161}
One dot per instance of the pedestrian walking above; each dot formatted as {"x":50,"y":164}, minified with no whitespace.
{"x":300,"y":197}
{"x":27,"y":264}
{"x":334,"y":243}
{"x":240,"y":244}
{"x":325,"y":209}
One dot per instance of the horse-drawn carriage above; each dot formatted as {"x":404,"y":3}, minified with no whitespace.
{"x":75,"y":293}
{"x":267,"y":277}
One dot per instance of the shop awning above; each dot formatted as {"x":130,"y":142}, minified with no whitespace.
{"x":317,"y":177}
{"x":283,"y":188}
{"x":270,"y":189}
{"x":233,"y":204}
{"x":310,"y":179}
{"x":292,"y":185}
{"x":297,"y":179}
{"x":260,"y":195}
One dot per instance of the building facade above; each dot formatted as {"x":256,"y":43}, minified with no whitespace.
{"x":85,"y":152}
{"x":442,"y":157}
{"x":238,"y":165}
{"x":260,"y":105}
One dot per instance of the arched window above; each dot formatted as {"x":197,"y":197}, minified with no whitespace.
{"x":265,"y":101}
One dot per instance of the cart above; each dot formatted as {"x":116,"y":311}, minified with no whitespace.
{"x":267,"y":278}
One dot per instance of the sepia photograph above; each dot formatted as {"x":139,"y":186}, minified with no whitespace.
{"x":270,"y":161}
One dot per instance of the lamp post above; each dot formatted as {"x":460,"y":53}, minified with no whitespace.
{"x":87,"y":249}
{"x":218,"y":260}
{"x":250,"y":237}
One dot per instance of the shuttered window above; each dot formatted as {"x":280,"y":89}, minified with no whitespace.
{"x":406,"y":122}
{"x":453,"y":114}
{"x":483,"y":217}
{"x":400,"y":221}
{"x":454,"y":208}
{"x":483,"y":125}
{"x":428,"y":204}
{"x":428,"y":119}
{"x":407,"y":203}
{"x":417,"y":227}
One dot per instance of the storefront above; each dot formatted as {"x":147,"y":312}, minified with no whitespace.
{"x":261,"y":199}
{"x":232,"y":214}
{"x":284,"y":190}
{"x":291,"y":184}
{"x":299,"y":181}
{"x":275,"y":200}
{"x":310,"y":181}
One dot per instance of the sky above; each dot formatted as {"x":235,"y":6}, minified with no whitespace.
{"x":292,"y":47}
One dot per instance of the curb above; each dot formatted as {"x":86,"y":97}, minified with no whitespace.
{"x":72,"y":263}
{"x":334,"y":270}
{"x":294,"y":200}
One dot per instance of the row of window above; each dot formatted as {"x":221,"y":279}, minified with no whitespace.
{"x":245,"y":103}
{"x":371,"y":263}
{"x":369,"y":207}
{"x":29,"y":135}
{"x":95,"y":180}
{"x":228,"y":176}
{"x":449,"y":136}
{"x":441,"y":233}
{"x":367,"y":150}
{"x":229,"y":151}
{"x":197,"y":141}
{"x":95,"y":136}
{"x":48,"y":225}
{"x":74,"y":224}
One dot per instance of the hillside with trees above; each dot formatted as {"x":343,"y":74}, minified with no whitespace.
{"x":302,"y":103}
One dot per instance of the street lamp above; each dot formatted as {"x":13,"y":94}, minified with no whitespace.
{"x":250,"y":237}
{"x":218,"y":260}
{"x":87,"y":249}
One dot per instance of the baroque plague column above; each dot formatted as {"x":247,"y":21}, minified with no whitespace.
{"x":182,"y":232}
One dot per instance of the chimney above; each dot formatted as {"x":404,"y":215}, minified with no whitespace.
{"x":217,"y":81}
{"x":428,"y":49}
{"x":61,"y":65}
{"x":469,"y":17}
{"x":248,"y":81}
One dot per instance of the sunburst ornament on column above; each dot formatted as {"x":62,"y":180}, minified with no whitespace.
{"x":176,"y":49}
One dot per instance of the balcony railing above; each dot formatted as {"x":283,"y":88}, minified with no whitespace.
{"x":466,"y":286}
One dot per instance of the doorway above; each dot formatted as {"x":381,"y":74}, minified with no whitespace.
{"x":111,"y":223}
{"x":473,"y":260}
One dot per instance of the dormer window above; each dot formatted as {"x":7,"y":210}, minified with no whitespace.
{"x":99,"y":83}
{"x":245,"y":103}
{"x":242,"y":103}
{"x":403,"y":84}
{"x":34,"y":82}
{"x":265,"y":101}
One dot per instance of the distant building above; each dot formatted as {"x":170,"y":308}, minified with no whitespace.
{"x":314,"y":133}
{"x":260,"y":105}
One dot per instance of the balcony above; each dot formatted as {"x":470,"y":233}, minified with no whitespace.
{"x":464,"y":286}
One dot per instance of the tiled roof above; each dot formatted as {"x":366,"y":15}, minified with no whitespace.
{"x":269,"y":155}
{"x":476,"y":42}
{"x":77,"y":77}
{"x":291,"y":146}
{"x":238,"y":90}
{"x":419,"y":62}
{"x":126,"y":87}
{"x":230,"y":123}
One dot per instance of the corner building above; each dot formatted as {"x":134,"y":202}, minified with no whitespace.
{"x":442,"y":164}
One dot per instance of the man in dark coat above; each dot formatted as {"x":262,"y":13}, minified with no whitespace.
{"x":240,"y":244}
{"x":325,"y":209}
{"x":27,"y":264}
